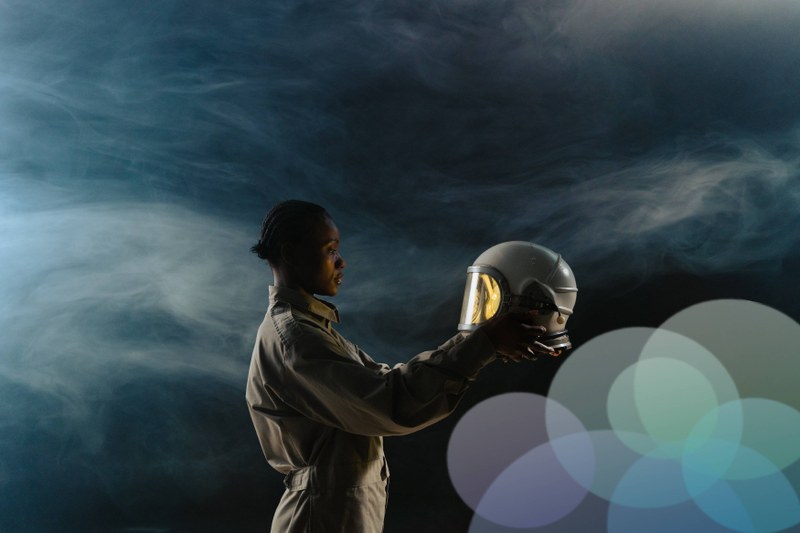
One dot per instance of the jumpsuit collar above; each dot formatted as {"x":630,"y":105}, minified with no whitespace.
{"x":311,"y":304}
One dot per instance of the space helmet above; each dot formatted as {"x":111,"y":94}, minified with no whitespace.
{"x":520,"y":276}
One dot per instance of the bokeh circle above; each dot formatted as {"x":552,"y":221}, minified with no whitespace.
{"x":503,"y":463}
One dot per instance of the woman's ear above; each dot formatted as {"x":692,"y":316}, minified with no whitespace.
{"x":287,"y":254}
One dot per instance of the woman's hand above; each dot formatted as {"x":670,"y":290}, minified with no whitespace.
{"x":515,"y":337}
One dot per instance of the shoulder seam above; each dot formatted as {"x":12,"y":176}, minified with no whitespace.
{"x":285,"y":317}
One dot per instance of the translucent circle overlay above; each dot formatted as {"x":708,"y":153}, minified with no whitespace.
{"x":684,"y":517}
{"x":536,"y":489}
{"x":584,"y":379}
{"x":764,"y":504}
{"x":693,"y":426}
{"x":503,"y":464}
{"x":758,"y":345}
{"x":769,"y":428}
{"x":665,"y":399}
{"x":677,"y":382}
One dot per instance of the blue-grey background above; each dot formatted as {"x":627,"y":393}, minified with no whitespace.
{"x":654,"y":144}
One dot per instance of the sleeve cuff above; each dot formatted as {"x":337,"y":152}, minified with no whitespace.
{"x":472,"y":354}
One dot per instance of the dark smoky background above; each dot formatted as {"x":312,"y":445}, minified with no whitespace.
{"x":654,"y":144}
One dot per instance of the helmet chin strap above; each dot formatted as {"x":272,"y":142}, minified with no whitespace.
{"x":558,"y":340}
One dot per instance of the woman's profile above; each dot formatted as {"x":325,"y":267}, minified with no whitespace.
{"x":320,"y":405}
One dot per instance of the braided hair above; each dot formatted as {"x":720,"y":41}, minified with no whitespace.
{"x":286,"y":222}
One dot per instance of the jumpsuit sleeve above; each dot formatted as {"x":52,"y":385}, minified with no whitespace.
{"x":325,"y":384}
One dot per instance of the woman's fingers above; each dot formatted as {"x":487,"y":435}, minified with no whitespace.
{"x":539,"y":347}
{"x":519,"y":340}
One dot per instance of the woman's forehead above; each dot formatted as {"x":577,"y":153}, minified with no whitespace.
{"x":325,"y":232}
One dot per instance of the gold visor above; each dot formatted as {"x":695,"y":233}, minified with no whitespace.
{"x":482,"y":298}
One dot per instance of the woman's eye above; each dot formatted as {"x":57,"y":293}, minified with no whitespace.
{"x":332,"y":251}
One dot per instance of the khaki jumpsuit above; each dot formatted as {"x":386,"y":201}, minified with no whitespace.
{"x":320,"y":407}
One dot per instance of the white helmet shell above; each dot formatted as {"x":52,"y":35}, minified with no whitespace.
{"x":520,"y":276}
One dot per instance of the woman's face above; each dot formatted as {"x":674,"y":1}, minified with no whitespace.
{"x":317,"y":263}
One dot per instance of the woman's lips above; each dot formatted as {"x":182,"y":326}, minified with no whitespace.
{"x":338,"y":279}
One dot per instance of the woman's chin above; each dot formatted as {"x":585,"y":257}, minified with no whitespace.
{"x":332,"y":291}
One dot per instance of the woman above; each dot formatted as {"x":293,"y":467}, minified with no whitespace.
{"x":320,"y":405}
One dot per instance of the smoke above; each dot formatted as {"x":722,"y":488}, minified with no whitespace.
{"x":142,"y":143}
{"x":123,"y":340}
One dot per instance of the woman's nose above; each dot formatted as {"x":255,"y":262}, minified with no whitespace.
{"x":340,"y":262}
